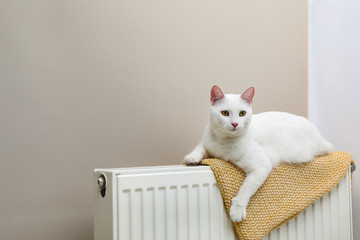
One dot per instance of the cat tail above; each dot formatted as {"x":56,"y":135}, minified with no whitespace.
{"x":327,"y":147}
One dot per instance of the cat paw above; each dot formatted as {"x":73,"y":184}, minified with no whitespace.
{"x":192,"y":159}
{"x":237,"y":212}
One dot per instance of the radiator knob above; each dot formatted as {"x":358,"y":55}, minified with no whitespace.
{"x":353,"y":167}
{"x":101,"y":181}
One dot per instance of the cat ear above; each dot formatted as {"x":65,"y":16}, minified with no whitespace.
{"x":248,"y":95}
{"x":216,"y":94}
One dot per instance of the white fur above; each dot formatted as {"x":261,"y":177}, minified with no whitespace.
{"x":256,"y":145}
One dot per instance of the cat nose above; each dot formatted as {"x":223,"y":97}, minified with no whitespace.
{"x":234,"y":125}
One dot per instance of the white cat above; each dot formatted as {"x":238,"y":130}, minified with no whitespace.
{"x":255,"y":143}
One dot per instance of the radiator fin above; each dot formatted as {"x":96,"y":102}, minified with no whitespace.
{"x":188,"y":206}
{"x":327,"y":219}
{"x":163,"y":210}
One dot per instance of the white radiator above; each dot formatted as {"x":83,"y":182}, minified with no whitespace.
{"x":178,"y":202}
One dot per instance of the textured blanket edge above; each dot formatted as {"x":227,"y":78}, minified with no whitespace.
{"x":332,"y":166}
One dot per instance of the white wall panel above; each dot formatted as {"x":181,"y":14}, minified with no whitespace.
{"x":334,"y":81}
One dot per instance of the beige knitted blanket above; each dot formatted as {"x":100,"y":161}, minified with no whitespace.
{"x":287,"y":191}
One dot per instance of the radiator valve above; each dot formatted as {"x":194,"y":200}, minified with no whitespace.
{"x":353,"y":167}
{"x":101,"y":182}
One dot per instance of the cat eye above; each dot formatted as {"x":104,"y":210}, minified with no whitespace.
{"x":242,"y":113}
{"x":225,"y":113}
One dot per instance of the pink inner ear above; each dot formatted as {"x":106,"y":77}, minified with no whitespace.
{"x":216,"y":94}
{"x":248,"y":94}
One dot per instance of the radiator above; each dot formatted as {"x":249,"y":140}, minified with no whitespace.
{"x":179,"y":202}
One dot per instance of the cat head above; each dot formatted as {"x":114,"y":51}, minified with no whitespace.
{"x":230,"y":114}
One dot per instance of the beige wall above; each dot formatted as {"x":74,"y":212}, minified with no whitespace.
{"x":87,"y":84}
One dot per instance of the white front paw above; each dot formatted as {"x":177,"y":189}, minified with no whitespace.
{"x":192,"y":159}
{"x":237,"y":211}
